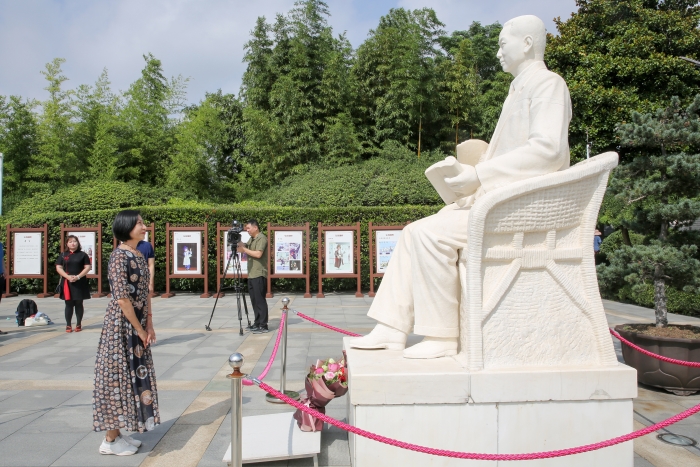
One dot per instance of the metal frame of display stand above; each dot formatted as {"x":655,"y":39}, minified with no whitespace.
{"x":9,"y":266}
{"x":321,"y":257}
{"x":306,"y":263}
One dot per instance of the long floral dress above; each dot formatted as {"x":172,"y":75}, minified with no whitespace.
{"x":125,"y":394}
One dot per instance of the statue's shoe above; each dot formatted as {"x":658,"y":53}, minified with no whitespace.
{"x":381,"y":337}
{"x":432,"y":347}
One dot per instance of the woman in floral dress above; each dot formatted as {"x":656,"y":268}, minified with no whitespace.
{"x":125,"y":394}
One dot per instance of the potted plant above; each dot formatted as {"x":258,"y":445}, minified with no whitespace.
{"x":658,"y":197}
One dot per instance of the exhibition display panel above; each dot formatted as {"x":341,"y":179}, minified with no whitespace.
{"x":339,"y":255}
{"x":382,"y":242}
{"x":27,"y":257}
{"x":289,"y":254}
{"x":187,"y":252}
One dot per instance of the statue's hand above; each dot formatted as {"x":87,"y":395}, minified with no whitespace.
{"x":465,"y":183}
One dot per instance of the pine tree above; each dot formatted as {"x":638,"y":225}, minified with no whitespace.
{"x":660,"y":188}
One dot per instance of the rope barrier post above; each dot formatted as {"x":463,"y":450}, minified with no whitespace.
{"x":236,"y":362}
{"x":283,"y":376}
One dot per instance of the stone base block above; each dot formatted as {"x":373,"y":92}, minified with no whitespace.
{"x":437,"y":403}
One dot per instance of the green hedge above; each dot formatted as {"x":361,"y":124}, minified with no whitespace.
{"x":197,"y":215}
{"x":375,"y":182}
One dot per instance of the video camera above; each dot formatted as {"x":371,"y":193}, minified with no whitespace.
{"x":233,"y":235}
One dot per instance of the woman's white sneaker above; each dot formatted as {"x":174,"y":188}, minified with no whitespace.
{"x":119,"y":447}
{"x":134,"y":442}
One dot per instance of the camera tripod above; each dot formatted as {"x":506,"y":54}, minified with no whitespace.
{"x":237,"y":287}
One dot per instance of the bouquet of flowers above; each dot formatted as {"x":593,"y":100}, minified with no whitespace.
{"x":326,"y":380}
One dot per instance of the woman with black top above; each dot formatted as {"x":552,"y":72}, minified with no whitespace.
{"x":73,"y":265}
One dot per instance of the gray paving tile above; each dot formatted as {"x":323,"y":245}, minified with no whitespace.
{"x":22,"y":449}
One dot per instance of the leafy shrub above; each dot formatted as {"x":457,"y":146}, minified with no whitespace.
{"x":395,"y":178}
{"x":91,"y":196}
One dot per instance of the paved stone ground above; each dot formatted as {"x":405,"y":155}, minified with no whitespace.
{"x":46,"y":381}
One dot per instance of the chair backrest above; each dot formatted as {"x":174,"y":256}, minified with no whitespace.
{"x":529,"y":288}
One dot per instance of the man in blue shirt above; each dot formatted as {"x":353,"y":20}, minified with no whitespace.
{"x":146,"y":250}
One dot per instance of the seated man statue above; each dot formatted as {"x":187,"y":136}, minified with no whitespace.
{"x":421,"y":289}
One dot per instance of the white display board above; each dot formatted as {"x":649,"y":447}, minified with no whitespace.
{"x":386,"y":241}
{"x":87,"y":244}
{"x":242,"y":257}
{"x":187,"y":254}
{"x":288,"y":253}
{"x":26,"y":257}
{"x":339,"y":251}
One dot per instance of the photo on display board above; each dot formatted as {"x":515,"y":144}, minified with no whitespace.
{"x":242,"y":257}
{"x":87,"y":244}
{"x":339,"y":252}
{"x":187,"y":252}
{"x":26,"y":257}
{"x":288,"y":252}
{"x":386,"y":241}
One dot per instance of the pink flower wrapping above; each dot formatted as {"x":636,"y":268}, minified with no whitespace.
{"x":320,"y":390}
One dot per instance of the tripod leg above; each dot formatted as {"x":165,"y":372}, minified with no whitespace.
{"x":218,"y":293}
{"x":240,"y":291}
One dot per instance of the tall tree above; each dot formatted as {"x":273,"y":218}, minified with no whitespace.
{"x":55,"y":161}
{"x":208,"y":150}
{"x":303,"y":91}
{"x":90,"y":106}
{"x":623,"y":56}
{"x":661,"y":189}
{"x":397,"y":89}
{"x":18,"y":143}
{"x":148,"y":123}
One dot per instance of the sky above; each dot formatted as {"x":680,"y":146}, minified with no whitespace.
{"x":199,"y":39}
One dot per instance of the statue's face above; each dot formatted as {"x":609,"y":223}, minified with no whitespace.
{"x":511,"y":50}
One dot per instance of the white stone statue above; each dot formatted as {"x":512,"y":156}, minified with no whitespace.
{"x":420,"y":291}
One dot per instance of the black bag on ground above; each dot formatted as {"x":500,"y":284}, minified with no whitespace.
{"x":25,"y":309}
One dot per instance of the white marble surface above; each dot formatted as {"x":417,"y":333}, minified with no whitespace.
{"x":385,"y":377}
{"x":275,"y":437}
{"x":443,"y":405}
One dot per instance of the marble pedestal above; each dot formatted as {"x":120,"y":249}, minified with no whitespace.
{"x":437,"y":403}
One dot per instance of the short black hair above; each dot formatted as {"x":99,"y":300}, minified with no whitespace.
{"x":124,"y":223}
{"x":254,"y":223}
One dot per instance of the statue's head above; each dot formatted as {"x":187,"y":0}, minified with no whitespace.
{"x":521,"y":41}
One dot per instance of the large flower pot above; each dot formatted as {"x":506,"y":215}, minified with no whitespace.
{"x":678,"y":379}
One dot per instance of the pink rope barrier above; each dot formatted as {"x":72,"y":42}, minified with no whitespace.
{"x":474,"y":455}
{"x":327,"y":326}
{"x":248,"y":382}
{"x":653,"y":355}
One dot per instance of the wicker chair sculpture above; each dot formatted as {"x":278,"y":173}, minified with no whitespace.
{"x":529,"y":289}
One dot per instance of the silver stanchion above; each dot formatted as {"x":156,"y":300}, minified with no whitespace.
{"x":236,"y":362}
{"x":283,"y":347}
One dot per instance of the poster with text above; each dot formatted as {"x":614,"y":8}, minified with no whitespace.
{"x":288,"y":253}
{"x":187,"y":254}
{"x":386,"y":244}
{"x":242,"y":257}
{"x":339,"y":248}
{"x":87,"y":244}
{"x":26,"y":257}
